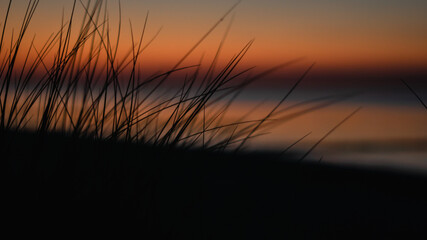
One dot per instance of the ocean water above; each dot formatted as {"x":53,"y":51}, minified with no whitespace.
{"x":389,"y":130}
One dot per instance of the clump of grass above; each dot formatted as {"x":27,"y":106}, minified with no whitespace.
{"x":87,"y":90}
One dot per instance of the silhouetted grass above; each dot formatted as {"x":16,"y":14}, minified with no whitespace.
{"x":415,"y":94}
{"x":88,"y":91}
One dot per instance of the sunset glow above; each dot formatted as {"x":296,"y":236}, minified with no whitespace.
{"x":338,"y":35}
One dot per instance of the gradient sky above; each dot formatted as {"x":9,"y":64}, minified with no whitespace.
{"x":362,"y":36}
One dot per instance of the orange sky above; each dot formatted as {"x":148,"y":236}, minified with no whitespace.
{"x":336,"y":34}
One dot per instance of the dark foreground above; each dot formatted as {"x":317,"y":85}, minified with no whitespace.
{"x":62,"y":185}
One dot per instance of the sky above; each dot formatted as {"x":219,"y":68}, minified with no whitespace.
{"x":364,"y":44}
{"x":335,"y":34}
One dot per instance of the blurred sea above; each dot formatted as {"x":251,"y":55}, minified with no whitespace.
{"x":390,"y":131}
